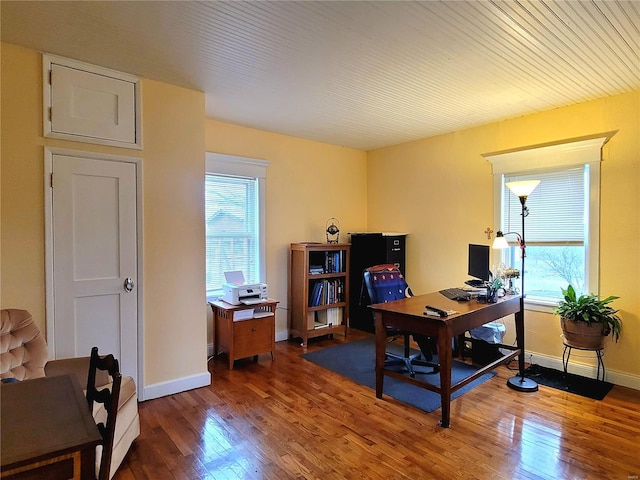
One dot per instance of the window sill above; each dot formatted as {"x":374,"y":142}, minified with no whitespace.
{"x":212,"y":297}
{"x":540,"y":305}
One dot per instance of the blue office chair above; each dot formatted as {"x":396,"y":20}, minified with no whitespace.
{"x":385,"y":283}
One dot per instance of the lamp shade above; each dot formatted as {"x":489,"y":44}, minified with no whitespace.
{"x":522,"y":188}
{"x":500,"y":242}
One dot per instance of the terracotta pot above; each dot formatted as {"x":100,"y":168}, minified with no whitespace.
{"x":582,"y":335}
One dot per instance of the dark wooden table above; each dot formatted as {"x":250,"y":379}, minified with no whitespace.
{"x":47,"y":430}
{"x":408,"y":314}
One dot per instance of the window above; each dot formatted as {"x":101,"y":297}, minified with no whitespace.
{"x":556,"y":230}
{"x":234,"y":219}
{"x":561,"y":229}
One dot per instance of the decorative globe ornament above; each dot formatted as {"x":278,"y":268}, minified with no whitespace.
{"x":333,"y":230}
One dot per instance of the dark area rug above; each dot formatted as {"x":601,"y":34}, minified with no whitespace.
{"x":356,"y":361}
{"x":587,"y":387}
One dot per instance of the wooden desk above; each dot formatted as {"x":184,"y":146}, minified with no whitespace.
{"x":407,"y":314}
{"x":244,"y":337}
{"x":47,"y":430}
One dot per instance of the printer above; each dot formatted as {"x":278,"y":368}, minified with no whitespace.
{"x":236,"y":292}
{"x":249,"y":294}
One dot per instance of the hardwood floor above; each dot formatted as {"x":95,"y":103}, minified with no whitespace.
{"x":291,"y":419}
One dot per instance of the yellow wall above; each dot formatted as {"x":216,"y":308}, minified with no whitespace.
{"x":22,"y":216}
{"x":173,"y":201}
{"x":443,"y":196}
{"x":307,"y":183}
{"x":174,"y":240}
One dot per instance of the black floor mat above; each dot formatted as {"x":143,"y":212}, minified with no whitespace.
{"x":587,"y":387}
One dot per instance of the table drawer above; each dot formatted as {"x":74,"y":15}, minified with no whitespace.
{"x":253,"y":336}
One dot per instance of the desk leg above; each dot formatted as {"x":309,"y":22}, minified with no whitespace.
{"x":230,"y":339}
{"x":88,"y":463}
{"x":381,"y":345}
{"x":445,"y":356}
{"x":216,"y":335}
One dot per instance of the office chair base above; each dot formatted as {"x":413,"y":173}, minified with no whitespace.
{"x":423,"y":363}
{"x":410,"y":362}
{"x":522,"y":384}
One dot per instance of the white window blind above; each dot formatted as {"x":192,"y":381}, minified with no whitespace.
{"x":231,"y":213}
{"x":234,"y":219}
{"x":557,"y":213}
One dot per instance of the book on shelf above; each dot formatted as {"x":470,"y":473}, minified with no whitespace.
{"x":321,"y":319}
{"x":316,"y":296}
{"x":313,"y":292}
{"x":330,"y":317}
{"x":326,"y":292}
{"x":334,"y":316}
{"x":333,"y":262}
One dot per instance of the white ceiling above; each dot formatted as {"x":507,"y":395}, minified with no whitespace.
{"x":352,"y":73}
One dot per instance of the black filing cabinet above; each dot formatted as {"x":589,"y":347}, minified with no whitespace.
{"x":367,"y":250}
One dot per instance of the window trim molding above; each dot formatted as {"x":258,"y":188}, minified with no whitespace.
{"x":572,"y":152}
{"x":564,"y":154}
{"x":223,"y":164}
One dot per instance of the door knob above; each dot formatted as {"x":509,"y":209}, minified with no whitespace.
{"x":128,"y":284}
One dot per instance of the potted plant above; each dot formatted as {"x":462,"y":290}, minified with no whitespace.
{"x":586,"y":320}
{"x":492,"y":290}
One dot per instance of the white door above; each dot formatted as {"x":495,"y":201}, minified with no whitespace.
{"x":94,"y":245}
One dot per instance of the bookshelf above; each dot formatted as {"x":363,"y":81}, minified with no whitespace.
{"x":318,"y":290}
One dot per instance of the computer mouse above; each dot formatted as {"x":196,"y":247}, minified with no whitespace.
{"x":464,"y":298}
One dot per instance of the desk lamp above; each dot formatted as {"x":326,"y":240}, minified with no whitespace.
{"x":522,"y":190}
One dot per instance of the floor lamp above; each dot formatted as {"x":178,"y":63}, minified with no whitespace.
{"x":522,"y":190}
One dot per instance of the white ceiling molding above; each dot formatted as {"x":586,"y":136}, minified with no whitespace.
{"x":536,"y":157}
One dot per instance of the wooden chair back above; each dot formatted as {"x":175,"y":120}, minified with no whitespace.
{"x":109,"y":398}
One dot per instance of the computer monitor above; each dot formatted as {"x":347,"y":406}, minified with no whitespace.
{"x":479,"y":262}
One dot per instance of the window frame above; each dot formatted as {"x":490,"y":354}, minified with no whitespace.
{"x":236,"y":166}
{"x":557,"y":156}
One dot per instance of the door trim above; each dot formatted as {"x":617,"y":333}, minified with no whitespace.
{"x":49,"y":153}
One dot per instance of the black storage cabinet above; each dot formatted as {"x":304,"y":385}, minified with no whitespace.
{"x":367,"y":250}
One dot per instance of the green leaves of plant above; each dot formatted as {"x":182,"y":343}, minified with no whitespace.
{"x":589,"y":308}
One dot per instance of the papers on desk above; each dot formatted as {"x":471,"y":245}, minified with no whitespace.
{"x":433,"y":313}
{"x":474,"y":290}
{"x":250,"y":313}
{"x":243,"y":314}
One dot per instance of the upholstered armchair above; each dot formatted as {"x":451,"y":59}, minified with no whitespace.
{"x":24,"y":355}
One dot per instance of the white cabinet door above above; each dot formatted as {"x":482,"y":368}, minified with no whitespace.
{"x":90,"y":104}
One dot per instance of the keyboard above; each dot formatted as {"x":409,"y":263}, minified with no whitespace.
{"x":455,"y":294}
{"x":476,"y":283}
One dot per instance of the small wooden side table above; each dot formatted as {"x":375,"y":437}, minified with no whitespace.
{"x":244,"y":330}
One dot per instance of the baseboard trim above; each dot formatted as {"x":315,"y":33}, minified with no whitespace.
{"x":204,"y":379}
{"x":590,"y":371}
{"x":163,"y":389}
